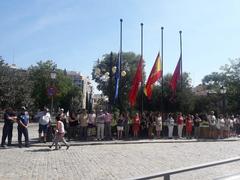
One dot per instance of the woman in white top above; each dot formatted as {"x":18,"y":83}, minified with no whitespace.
{"x":221,"y":123}
{"x":158,"y":121}
{"x":170,"y":122}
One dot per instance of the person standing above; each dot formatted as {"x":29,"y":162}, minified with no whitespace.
{"x":73,"y":123}
{"x":126,"y":125}
{"x":44,"y":123}
{"x":189,"y":123}
{"x":180,"y":124}
{"x":91,"y":123}
{"x":83,"y":124}
{"x":170,"y":122}
{"x":23,"y":121}
{"x":212,"y":124}
{"x":120,"y":122}
{"x":158,"y":122}
{"x":108,"y":127}
{"x":100,"y":125}
{"x":136,"y":125}
{"x":59,"y":134}
{"x":9,"y":119}
{"x":221,"y":125}
{"x":150,"y":125}
{"x":197,"y":121}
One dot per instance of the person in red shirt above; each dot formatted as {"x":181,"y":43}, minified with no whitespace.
{"x":136,"y":125}
{"x":180,"y":124}
{"x":189,"y":123}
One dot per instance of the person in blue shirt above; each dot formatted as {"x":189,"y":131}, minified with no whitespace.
{"x":23,"y":121}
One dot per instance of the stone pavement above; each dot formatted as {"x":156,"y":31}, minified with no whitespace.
{"x":117,"y":159}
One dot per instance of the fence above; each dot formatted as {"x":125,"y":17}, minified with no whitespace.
{"x":166,"y":174}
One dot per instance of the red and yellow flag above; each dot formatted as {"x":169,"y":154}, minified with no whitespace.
{"x":155,"y":74}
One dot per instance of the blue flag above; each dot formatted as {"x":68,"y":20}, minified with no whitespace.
{"x":117,"y":77}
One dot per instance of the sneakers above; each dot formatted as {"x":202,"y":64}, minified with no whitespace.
{"x":68,"y":146}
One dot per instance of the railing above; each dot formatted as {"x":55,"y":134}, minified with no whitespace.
{"x":166,"y":174}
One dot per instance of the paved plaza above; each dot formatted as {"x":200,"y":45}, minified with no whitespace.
{"x":116,"y":159}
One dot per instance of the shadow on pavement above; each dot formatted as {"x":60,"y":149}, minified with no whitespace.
{"x":39,"y":150}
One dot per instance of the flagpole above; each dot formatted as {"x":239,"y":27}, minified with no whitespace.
{"x":162,"y":65}
{"x":121,"y":20}
{"x":120,"y":70}
{"x":142,"y":67}
{"x":180,"y":34}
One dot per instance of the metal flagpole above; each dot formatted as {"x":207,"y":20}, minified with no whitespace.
{"x":180,"y":33}
{"x":142,"y":67}
{"x":120,"y":70}
{"x":162,"y":65}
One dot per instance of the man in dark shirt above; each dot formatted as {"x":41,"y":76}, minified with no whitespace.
{"x":9,"y":119}
{"x":23,"y":121}
{"x":197,"y":120}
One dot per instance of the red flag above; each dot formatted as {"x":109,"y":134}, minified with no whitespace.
{"x":155,"y":74}
{"x":176,"y":75}
{"x":135,"y":84}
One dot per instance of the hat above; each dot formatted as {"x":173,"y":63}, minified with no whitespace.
{"x":46,"y":109}
{"x":61,"y":109}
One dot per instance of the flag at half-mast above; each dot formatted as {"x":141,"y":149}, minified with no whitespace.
{"x":176,"y":75}
{"x":156,"y":73}
{"x":135,"y":84}
{"x":117,"y":77}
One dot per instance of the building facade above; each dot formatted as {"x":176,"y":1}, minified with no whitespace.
{"x":84,"y":83}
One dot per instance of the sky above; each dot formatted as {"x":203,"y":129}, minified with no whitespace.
{"x":75,"y":33}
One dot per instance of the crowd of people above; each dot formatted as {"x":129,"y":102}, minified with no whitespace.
{"x":104,"y":125}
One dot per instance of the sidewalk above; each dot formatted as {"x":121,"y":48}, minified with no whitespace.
{"x":33,"y":134}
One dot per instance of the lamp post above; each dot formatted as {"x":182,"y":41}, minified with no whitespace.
{"x":53,"y":76}
{"x":223,"y":92}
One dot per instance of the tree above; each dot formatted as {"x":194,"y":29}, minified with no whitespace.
{"x":15,"y":87}
{"x":66,"y":92}
{"x":129,"y":64}
{"x":183,"y":100}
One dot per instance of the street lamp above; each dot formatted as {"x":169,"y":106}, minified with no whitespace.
{"x":53,"y":75}
{"x":223,"y":91}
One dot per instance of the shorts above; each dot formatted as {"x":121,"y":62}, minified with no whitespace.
{"x":120,"y":128}
{"x":43,"y":128}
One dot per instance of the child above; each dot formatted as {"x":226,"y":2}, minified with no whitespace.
{"x":59,"y":134}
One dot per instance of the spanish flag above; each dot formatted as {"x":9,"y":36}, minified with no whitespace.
{"x":155,"y":74}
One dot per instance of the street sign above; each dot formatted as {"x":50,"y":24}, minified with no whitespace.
{"x":51,"y":91}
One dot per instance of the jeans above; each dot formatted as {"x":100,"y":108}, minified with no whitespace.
{"x":7,"y":132}
{"x":24,"y":131}
{"x":100,"y":131}
{"x":170,"y":131}
{"x":108,"y":130}
{"x":180,"y":128}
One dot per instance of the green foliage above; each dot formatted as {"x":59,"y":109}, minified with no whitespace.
{"x":228,"y":78}
{"x":67,"y":94}
{"x":129,"y":64}
{"x":183,"y":100}
{"x":15,"y":87}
